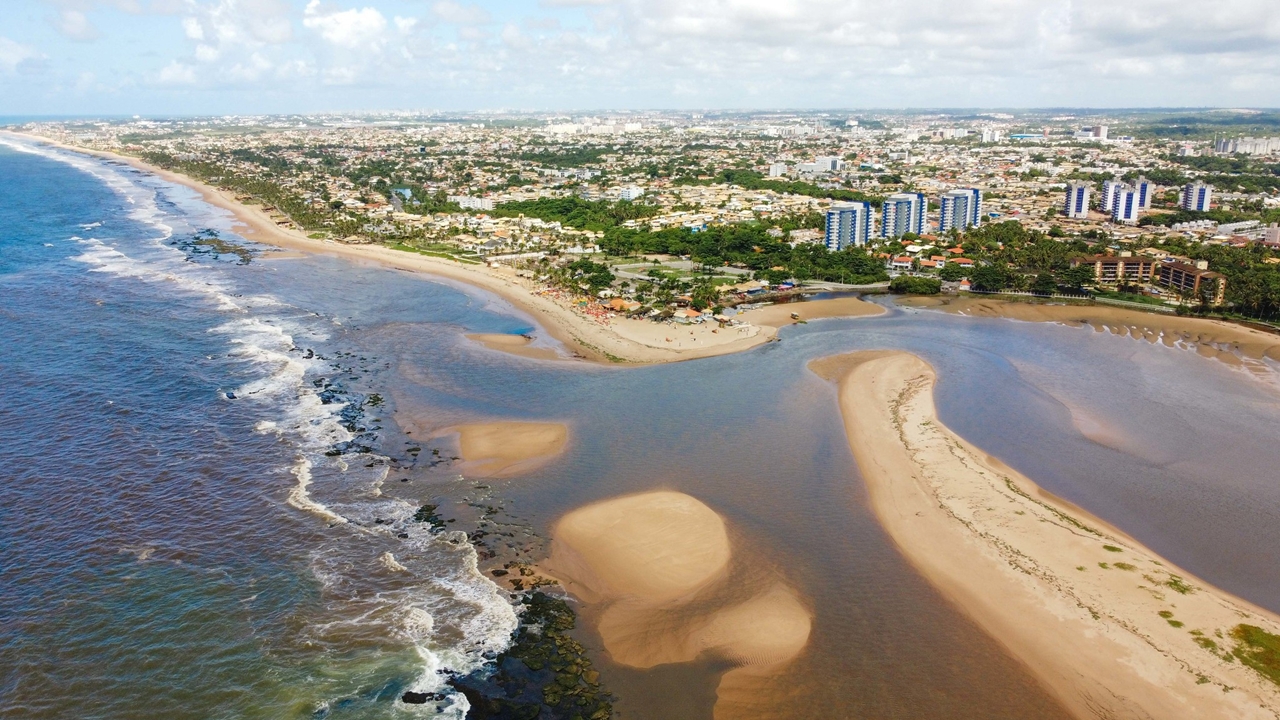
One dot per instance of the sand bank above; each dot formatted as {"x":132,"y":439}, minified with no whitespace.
{"x":1231,"y":343}
{"x":778,"y":316}
{"x":521,"y":345}
{"x":503,"y":449}
{"x":616,"y":340}
{"x":663,"y":586}
{"x":1107,"y":625}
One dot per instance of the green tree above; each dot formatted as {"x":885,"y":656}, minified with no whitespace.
{"x":990,"y":278}
{"x":1044,"y":284}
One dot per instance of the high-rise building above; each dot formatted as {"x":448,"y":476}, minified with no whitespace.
{"x":1077,"y":204}
{"x":903,"y":213}
{"x":1146,"y":189}
{"x":975,"y":207}
{"x":1196,"y":196}
{"x":848,"y":225}
{"x":1109,"y":190}
{"x":777,"y":169}
{"x":1125,"y":206}
{"x":1100,"y":132}
{"x":959,"y":209}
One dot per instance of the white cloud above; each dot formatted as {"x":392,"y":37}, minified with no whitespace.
{"x":14,"y":54}
{"x":75,"y":25}
{"x":361,"y":29}
{"x":239,"y":23}
{"x":453,"y":12}
{"x":176,"y":73}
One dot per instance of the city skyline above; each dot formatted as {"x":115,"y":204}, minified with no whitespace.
{"x":301,"y":56}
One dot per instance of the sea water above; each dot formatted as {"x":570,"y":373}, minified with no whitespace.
{"x":190,"y":513}
{"x":212,"y":469}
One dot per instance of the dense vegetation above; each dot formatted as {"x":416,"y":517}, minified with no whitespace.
{"x":913,"y":285}
{"x":750,"y":246}
{"x":597,"y":215}
{"x":567,"y":158}
{"x":752,"y":180}
{"x":261,"y":187}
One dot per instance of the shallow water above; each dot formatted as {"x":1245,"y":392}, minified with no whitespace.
{"x":158,"y":557}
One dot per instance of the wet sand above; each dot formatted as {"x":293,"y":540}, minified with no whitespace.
{"x":1107,"y":626}
{"x":662,"y":583}
{"x":503,"y":449}
{"x":1233,"y":344}
{"x":515,"y":345}
{"x":779,"y":316}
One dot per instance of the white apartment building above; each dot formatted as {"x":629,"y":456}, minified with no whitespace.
{"x":1126,"y":206}
{"x":1110,"y":189}
{"x":1196,"y":197}
{"x":1077,"y":202}
{"x":903,"y":213}
{"x":848,"y":225}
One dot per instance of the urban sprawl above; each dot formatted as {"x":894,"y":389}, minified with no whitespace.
{"x":683,"y":217}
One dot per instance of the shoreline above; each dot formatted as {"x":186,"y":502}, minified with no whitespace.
{"x":1235,"y":344}
{"x":1108,"y":626}
{"x":623,"y":341}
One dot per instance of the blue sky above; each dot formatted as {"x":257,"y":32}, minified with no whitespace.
{"x":270,"y":56}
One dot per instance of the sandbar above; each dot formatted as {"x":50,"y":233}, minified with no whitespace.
{"x":503,"y":449}
{"x":521,"y":345}
{"x":663,"y":585}
{"x":1108,"y":626}
{"x":779,"y":315}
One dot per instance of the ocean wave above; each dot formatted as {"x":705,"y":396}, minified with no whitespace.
{"x":385,"y":577}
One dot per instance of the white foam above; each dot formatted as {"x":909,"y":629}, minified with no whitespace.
{"x":299,"y":498}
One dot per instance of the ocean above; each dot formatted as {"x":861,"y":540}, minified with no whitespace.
{"x":216,"y":453}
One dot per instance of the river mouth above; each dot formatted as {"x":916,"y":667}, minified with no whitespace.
{"x":754,"y":436}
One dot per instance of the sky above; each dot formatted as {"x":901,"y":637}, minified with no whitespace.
{"x":206,"y":57}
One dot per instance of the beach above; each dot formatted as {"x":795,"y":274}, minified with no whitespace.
{"x":615,"y":340}
{"x":1108,"y":627}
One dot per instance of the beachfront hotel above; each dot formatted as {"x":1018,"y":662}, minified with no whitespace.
{"x":1193,"y":281}
{"x":1118,"y":269}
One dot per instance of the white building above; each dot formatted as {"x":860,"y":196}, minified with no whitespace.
{"x":1125,"y":207}
{"x":1146,"y":189}
{"x":631,"y":192}
{"x":1247,"y":146}
{"x":959,"y":209}
{"x":991,"y":135}
{"x":1196,"y":197}
{"x":848,"y":225}
{"x":777,"y":169}
{"x":466,"y":202}
{"x":1110,"y":189}
{"x":903,"y":213}
{"x":1077,"y":202}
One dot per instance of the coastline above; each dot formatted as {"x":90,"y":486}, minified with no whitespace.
{"x":1108,"y":626}
{"x":1231,"y":343}
{"x":620,"y":341}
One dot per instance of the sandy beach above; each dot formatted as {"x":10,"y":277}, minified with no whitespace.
{"x":615,"y":340}
{"x":1109,"y":627}
{"x":664,"y":583}
{"x":1233,"y":344}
